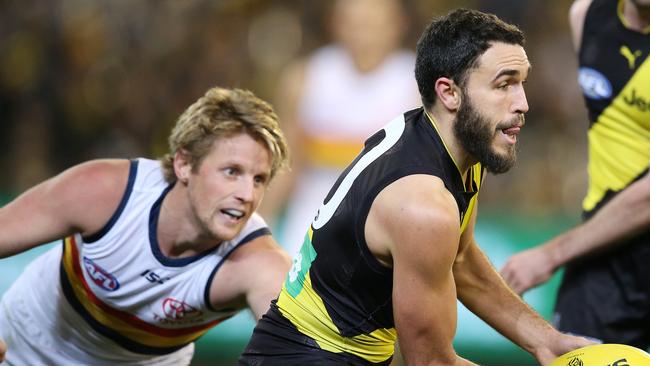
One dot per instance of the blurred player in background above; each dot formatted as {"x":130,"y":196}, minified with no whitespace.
{"x":392,"y":248}
{"x":155,"y":253}
{"x":330,"y":102}
{"x":605,"y":292}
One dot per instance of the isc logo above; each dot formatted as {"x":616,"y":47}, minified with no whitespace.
{"x":99,"y":276}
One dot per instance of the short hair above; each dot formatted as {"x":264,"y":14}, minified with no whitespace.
{"x":452,"y":44}
{"x":223,"y":113}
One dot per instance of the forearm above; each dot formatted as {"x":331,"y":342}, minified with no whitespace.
{"x":626,"y":215}
{"x":484,"y":293}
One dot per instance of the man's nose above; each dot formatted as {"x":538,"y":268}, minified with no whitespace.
{"x":520,"y":103}
{"x":246,"y":190}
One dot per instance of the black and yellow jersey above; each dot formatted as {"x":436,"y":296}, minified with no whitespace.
{"x":614,"y":76}
{"x":337,"y":294}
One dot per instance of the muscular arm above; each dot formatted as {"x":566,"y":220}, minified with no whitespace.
{"x":414,"y":223}
{"x":625,"y":216}
{"x":81,"y":199}
{"x":484,"y":293}
{"x":252,"y":276}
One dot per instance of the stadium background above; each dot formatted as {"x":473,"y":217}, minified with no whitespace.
{"x":107,"y":78}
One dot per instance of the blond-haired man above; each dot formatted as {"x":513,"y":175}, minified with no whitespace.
{"x":154,"y":253}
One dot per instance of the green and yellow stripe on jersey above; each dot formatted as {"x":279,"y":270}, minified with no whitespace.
{"x":300,"y":304}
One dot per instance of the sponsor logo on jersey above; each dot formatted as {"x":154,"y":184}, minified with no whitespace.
{"x":100,"y":276}
{"x":630,"y":56}
{"x":594,"y":84}
{"x":153,"y":277}
{"x":637,"y":101}
{"x":178,"y":312}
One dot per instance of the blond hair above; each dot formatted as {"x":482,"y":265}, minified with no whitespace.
{"x":222,"y":113}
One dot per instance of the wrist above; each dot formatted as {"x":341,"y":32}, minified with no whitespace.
{"x":555,"y":253}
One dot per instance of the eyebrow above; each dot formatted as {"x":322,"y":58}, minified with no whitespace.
{"x":510,"y":72}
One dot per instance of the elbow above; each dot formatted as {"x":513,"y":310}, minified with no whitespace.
{"x":438,"y":360}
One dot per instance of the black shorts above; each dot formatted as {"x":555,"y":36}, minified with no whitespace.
{"x":276,"y":342}
{"x":608,"y":297}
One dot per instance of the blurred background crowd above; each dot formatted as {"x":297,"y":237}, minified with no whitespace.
{"x":84,"y":79}
{"x":107,"y":78}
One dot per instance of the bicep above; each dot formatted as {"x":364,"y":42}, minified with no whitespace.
{"x":417,"y":219}
{"x":79,"y":199}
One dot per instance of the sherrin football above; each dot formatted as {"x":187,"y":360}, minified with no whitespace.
{"x":608,"y":354}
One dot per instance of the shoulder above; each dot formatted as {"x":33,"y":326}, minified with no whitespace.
{"x":408,"y":213}
{"x":256,"y":246}
{"x":417,"y":197}
{"x":94,"y":178}
{"x":260,"y":249}
{"x":89,"y":193}
{"x":258,"y":267}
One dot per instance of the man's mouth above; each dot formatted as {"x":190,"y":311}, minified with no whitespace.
{"x":510,"y":133}
{"x":233,"y":213}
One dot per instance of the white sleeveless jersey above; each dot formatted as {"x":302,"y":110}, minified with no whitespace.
{"x":114,"y":298}
{"x":342,"y":104}
{"x":340,"y":108}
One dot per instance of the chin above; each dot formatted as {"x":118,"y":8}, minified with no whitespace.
{"x":227,"y":233}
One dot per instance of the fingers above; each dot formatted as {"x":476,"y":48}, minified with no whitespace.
{"x":514,"y":279}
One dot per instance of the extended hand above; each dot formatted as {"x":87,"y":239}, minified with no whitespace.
{"x":527,"y":269}
{"x":560,"y":345}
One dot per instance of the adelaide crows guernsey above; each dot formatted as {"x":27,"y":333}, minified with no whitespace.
{"x":337,"y":293}
{"x":614,"y":76}
{"x":114,"y":298}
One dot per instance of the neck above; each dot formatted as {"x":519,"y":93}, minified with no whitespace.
{"x":637,"y":17}
{"x":178,"y":232}
{"x":444,"y":123}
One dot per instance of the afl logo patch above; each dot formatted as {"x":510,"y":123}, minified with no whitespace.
{"x":100,"y":277}
{"x":594,"y":84}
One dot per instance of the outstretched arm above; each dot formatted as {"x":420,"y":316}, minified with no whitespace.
{"x":484,"y":292}
{"x":625,"y":216}
{"x":269,"y":269}
{"x":81,"y":199}
{"x":252,"y":276}
{"x":413,"y":225}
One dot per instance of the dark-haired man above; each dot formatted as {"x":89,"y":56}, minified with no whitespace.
{"x":392,"y":248}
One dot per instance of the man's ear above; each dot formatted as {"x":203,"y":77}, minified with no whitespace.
{"x":182,"y":166}
{"x":448,"y":93}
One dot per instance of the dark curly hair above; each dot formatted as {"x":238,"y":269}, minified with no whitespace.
{"x":452,"y":44}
